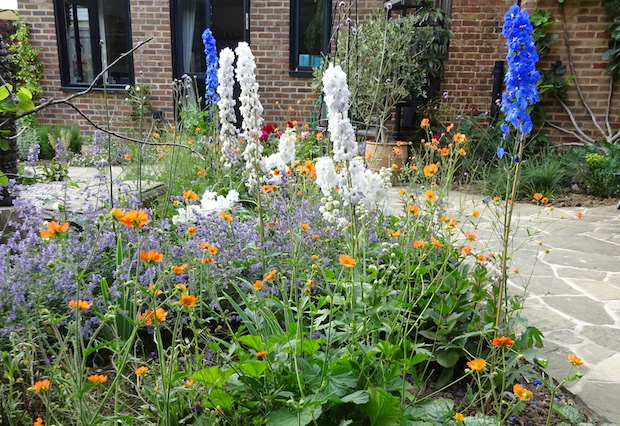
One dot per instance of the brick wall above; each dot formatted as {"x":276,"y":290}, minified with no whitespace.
{"x":585,"y":22}
{"x":475,"y":47}
{"x":152,"y":63}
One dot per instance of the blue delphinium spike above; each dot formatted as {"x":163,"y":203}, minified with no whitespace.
{"x":211,"y":83}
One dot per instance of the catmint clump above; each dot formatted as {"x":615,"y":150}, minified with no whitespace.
{"x":33,"y":154}
{"x":62,"y":155}
{"x":211,"y":84}
{"x":521,"y":78}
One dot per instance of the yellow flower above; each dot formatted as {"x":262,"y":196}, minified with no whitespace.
{"x":191,"y":230}
{"x":459,"y":417}
{"x":430,"y":195}
{"x":141,"y":371}
{"x":475,"y":213}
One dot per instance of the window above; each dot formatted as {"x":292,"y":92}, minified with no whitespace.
{"x":92,"y":34}
{"x":310,"y":31}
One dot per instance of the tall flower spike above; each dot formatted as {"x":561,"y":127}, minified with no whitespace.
{"x":251,"y":112}
{"x":211,"y":96}
{"x":226,"y":106}
{"x":340,"y":129}
{"x":521,"y":78}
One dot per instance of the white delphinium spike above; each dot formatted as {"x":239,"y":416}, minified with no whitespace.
{"x":341,"y":131}
{"x":226,"y":106}
{"x":326,"y":176}
{"x":251,"y":112}
{"x":285,"y":156}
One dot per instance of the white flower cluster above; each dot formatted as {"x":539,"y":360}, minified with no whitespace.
{"x":356,"y":185}
{"x":341,"y":131}
{"x":226,"y":105}
{"x":210,"y":204}
{"x":285,"y":156}
{"x":251,"y":112}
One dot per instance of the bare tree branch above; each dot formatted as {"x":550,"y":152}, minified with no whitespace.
{"x":127,"y":138}
{"x":578,"y":132}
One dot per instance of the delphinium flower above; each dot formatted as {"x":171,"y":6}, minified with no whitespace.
{"x":340,"y":129}
{"x":522,"y":75}
{"x":211,"y":204}
{"x":226,"y":106}
{"x":211,"y":96}
{"x":285,"y":156}
{"x":251,"y":111}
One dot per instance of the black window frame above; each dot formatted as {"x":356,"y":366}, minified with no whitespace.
{"x":294,"y":68}
{"x":95,"y":35}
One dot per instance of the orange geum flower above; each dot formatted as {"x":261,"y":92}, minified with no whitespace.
{"x":430,"y":170}
{"x":38,"y":422}
{"x":267,"y":188}
{"x":191,"y":195}
{"x":575,"y":359}
{"x":304,"y":226}
{"x":503,"y":341}
{"x":41,"y":386}
{"x":153,"y":291}
{"x":445,"y":151}
{"x":477,"y":364}
{"x":398,"y":151}
{"x":466,"y":250}
{"x":436,"y":242}
{"x":430,"y":195}
{"x":544,"y":200}
{"x":80,"y":304}
{"x":227,"y":217}
{"x":347,"y":261}
{"x":261,"y":353}
{"x":54,"y":229}
{"x":538,"y":196}
{"x":314,"y":257}
{"x":579,"y":215}
{"x":258,"y":285}
{"x":188,"y":300}
{"x":270,"y":275}
{"x":470,"y":236}
{"x":181,"y":287}
{"x":522,"y":393}
{"x":98,"y":378}
{"x":482,"y":258}
{"x":134,"y":218}
{"x":449,"y":128}
{"x":141,"y":371}
{"x":117,"y":213}
{"x":419,"y":244}
{"x":204,"y":246}
{"x":425,"y":122}
{"x":148,"y":316}
{"x":462,"y":152}
{"x":459,"y":417}
{"x":178,"y":270}
{"x":151,"y":256}
{"x":191,"y":230}
{"x":459,"y":137}
{"x":413,"y":209}
{"x":212,"y":250}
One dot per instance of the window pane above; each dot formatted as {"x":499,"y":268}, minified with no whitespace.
{"x":311,"y":16}
{"x":194,"y":22}
{"x":79,"y":43}
{"x":114,"y":26}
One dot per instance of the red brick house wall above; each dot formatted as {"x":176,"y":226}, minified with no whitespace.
{"x":477,"y":44}
{"x":149,"y":19}
{"x":269,"y":39}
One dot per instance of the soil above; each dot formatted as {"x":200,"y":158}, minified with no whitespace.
{"x":580,"y":199}
{"x":535,"y":411}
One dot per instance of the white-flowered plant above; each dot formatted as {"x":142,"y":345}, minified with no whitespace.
{"x":283,"y":159}
{"x":210,"y":204}
{"x":251,"y":111}
{"x":354,"y":184}
{"x":226,"y":106}
{"x":340,"y":129}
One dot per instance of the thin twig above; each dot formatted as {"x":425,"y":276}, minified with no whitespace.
{"x":127,"y":138}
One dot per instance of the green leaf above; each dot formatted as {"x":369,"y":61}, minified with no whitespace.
{"x":4,"y":144}
{"x":284,"y":417}
{"x":447,"y":359}
{"x":7,"y":105}
{"x":383,"y":408}
{"x":311,"y":346}
{"x":438,"y":408}
{"x":119,"y":250}
{"x":212,"y":376}
{"x":339,"y":381}
{"x":219,"y":397}
{"x":255,"y":342}
{"x":5,"y":91}
{"x":253,"y":368}
{"x":481,"y":420}
{"x":4,"y":181}
{"x":358,"y":397}
{"x":568,"y":412}
{"x":24,"y":94}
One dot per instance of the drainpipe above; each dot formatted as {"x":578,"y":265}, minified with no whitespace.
{"x":496,"y":97}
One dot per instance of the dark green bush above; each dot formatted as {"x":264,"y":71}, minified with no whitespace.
{"x":47,"y":134}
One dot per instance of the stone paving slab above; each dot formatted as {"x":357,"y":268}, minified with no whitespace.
{"x":573,"y":289}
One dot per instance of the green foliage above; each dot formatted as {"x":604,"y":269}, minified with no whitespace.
{"x":48,"y":135}
{"x":27,"y":138}
{"x":26,"y":60}
{"x":612,"y":55}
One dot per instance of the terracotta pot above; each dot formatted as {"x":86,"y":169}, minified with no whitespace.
{"x":379,"y":155}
